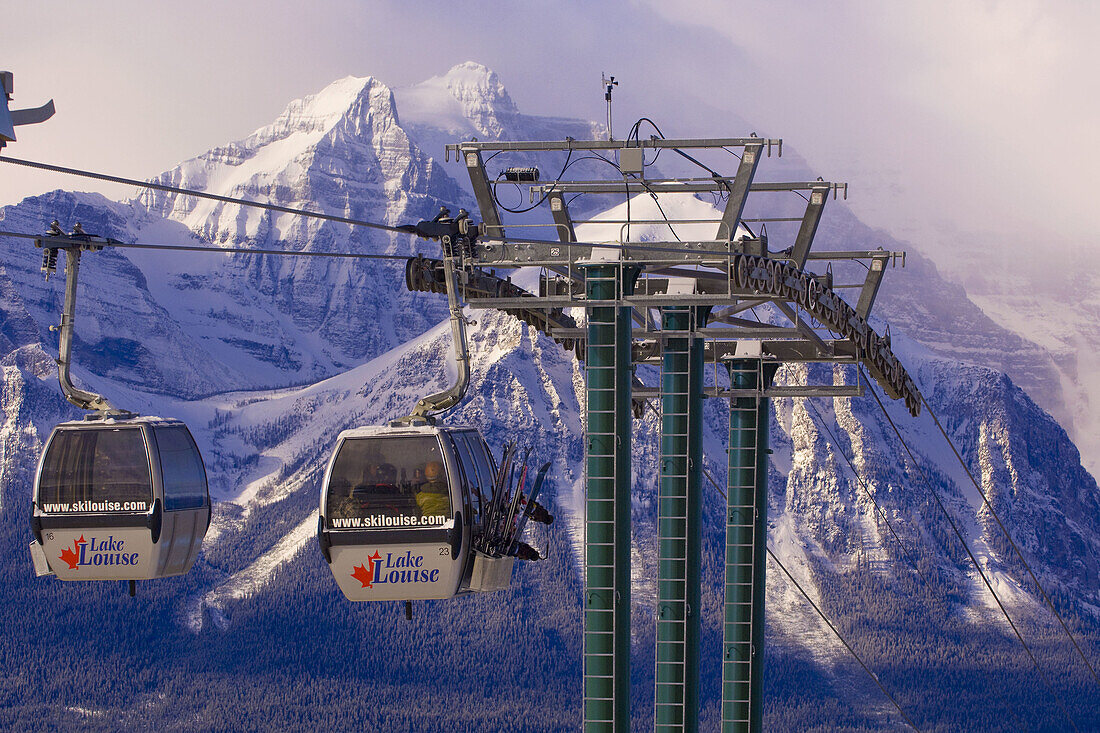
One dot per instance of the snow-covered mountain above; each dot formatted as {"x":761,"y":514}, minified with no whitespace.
{"x":269,"y":358}
{"x":1050,"y":302}
{"x":342,"y":151}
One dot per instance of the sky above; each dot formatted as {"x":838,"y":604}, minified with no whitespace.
{"x":960,"y":126}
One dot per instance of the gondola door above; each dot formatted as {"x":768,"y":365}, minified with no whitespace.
{"x":394,"y":524}
{"x":186,"y":513}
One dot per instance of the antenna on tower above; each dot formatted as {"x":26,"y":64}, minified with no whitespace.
{"x":608,"y":84}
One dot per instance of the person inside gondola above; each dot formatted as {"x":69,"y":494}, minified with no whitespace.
{"x":434,"y":497}
{"x":343,"y":504}
{"x":385,"y":496}
{"x":386,"y":476}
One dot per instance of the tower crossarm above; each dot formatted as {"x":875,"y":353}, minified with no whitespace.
{"x":745,"y":277}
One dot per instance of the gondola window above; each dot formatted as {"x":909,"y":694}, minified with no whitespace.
{"x":181,"y":468}
{"x":388,"y":483}
{"x":473,"y":477}
{"x":96,"y":470}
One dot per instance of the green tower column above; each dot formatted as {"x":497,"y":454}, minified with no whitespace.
{"x":746,"y":537}
{"x":679,"y":519}
{"x":607,"y":505}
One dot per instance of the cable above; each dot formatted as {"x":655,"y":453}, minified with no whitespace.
{"x":637,"y":128}
{"x":866,"y":489}
{"x":999,"y":687}
{"x":815,"y":606}
{"x":634,"y":133}
{"x":1016,"y":549}
{"x":545,"y":195}
{"x":64,"y":241}
{"x":731,"y":152}
{"x":653,"y":195}
{"x":970,"y":554}
{"x":924,"y":579}
{"x":842,"y":640}
{"x":556,"y":243}
{"x":616,"y":166}
{"x":715,"y":174}
{"x":822,"y":615}
{"x":909,"y":559}
{"x":201,"y":194}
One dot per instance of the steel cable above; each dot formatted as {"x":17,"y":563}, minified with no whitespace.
{"x":1016,"y":549}
{"x":63,"y":242}
{"x":973,"y":559}
{"x":824,"y":618}
{"x":200,"y":194}
{"x":842,"y":640}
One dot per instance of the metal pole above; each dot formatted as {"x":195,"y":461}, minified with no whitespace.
{"x":696,"y":360}
{"x":679,"y":516}
{"x":453,"y":394}
{"x":83,"y":399}
{"x":746,"y":535}
{"x":607,"y":507}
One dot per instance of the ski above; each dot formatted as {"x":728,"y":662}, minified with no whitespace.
{"x":506,"y":528}
{"x":532,"y":506}
{"x":489,"y":519}
{"x":508,"y":471}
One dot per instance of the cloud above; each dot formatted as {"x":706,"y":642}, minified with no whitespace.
{"x":948,"y":118}
{"x":983,"y":111}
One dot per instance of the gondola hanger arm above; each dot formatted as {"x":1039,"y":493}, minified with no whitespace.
{"x":456,"y":236}
{"x":78,"y":241}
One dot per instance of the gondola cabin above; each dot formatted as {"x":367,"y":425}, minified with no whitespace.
{"x":119,"y":499}
{"x":400,"y":507}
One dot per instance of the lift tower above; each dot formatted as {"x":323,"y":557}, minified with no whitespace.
{"x":715,"y":307}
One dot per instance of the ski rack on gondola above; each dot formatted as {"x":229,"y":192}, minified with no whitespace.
{"x":510,"y":508}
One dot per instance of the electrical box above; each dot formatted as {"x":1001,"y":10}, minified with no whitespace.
{"x":631,"y":160}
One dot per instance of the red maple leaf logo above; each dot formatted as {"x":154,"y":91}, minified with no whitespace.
{"x":72,"y":557}
{"x":366,"y":575}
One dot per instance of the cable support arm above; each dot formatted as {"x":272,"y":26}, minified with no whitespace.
{"x":751,"y":275}
{"x":456,"y":237}
{"x":76,"y":243}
